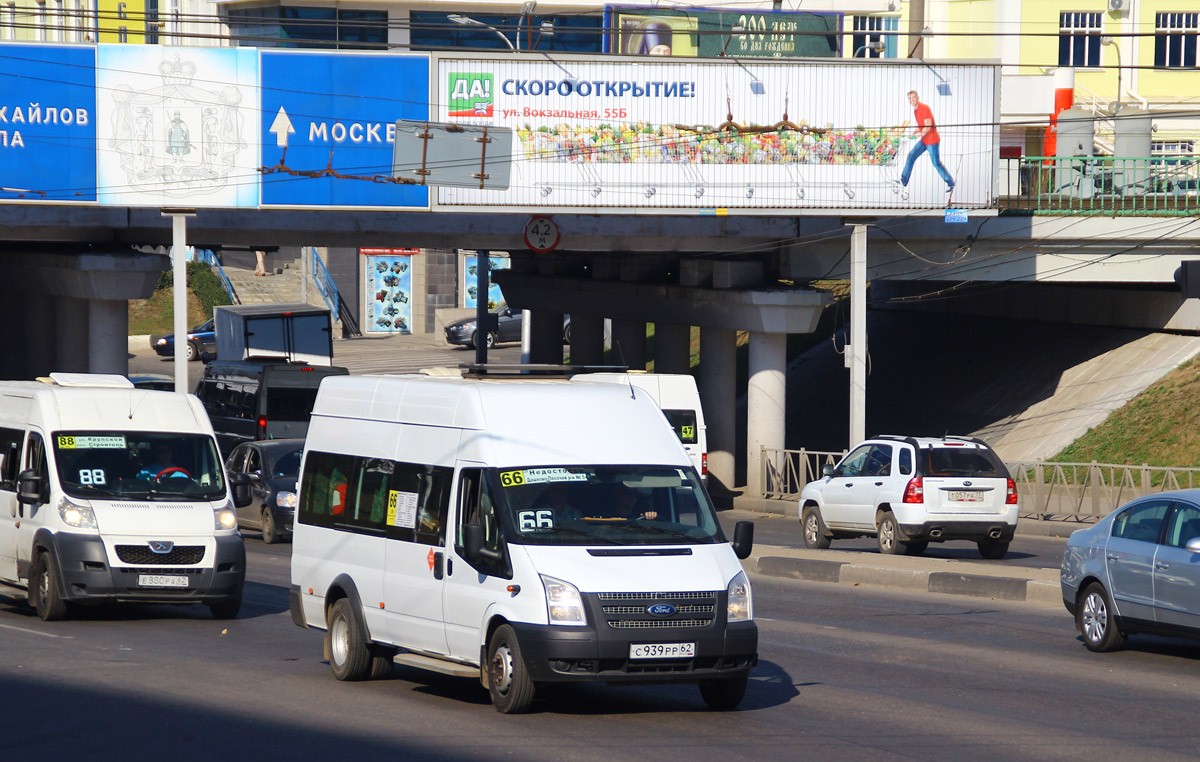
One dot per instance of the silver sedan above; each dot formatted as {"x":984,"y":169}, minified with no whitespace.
{"x":1136,"y":570}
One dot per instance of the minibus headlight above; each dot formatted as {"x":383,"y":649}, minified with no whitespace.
{"x":564,"y":604}
{"x":741,"y":605}
{"x":224,"y":518}
{"x":78,"y":515}
{"x":285,"y":499}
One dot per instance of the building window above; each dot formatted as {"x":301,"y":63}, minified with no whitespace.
{"x":39,"y":21}
{"x":1172,"y":147}
{"x":8,"y":22}
{"x":869,"y":30}
{"x":571,"y":34}
{"x":1079,"y":39}
{"x":308,"y":27}
{"x":1175,"y":40}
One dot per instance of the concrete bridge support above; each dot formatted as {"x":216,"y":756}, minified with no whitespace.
{"x":587,"y":340}
{"x":629,"y":343}
{"x":718,"y":395}
{"x":766,"y":404}
{"x":672,"y":348}
{"x":545,"y":337}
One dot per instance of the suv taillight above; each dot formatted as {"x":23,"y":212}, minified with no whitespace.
{"x":1010,"y":497}
{"x":915,"y":491}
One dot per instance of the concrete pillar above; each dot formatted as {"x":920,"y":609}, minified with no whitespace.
{"x":718,"y":395}
{"x":587,"y":340}
{"x":629,"y":343}
{"x":765,"y":402}
{"x":11,"y":314}
{"x":545,"y":337}
{"x":41,"y":311}
{"x":71,"y":335}
{"x":672,"y":348}
{"x":108,"y":336}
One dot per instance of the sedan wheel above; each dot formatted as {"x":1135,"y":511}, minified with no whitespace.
{"x":1096,"y":622}
{"x":814,"y":530}
{"x":192,"y":352}
{"x":889,"y":536}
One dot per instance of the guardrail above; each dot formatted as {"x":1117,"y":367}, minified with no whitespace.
{"x":1079,"y":492}
{"x":1101,"y":185}
{"x":208,"y":257}
{"x":325,"y":285}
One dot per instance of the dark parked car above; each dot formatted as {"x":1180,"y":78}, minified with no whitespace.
{"x":154,"y":381}
{"x":201,"y":339}
{"x":506,"y":328}
{"x":273,"y":466}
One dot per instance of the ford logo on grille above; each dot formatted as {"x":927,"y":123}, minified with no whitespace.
{"x":660,"y":609}
{"x":161,"y":546}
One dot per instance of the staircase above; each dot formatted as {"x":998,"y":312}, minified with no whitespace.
{"x":267,"y":289}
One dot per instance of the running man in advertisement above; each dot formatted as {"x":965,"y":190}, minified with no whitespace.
{"x":928,"y":140}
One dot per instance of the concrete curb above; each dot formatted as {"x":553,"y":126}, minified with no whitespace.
{"x":1038,"y":591}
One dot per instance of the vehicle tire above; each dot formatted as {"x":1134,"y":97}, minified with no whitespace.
{"x":993,"y":550}
{"x":915,"y":548}
{"x":474,"y":340}
{"x":490,"y":339}
{"x":193,"y":351}
{"x":815,"y":535}
{"x":226,"y":609}
{"x":725,"y":693}
{"x":1096,"y":622}
{"x":270,"y":532}
{"x":508,"y":681}
{"x":44,"y":591}
{"x":567,"y":335}
{"x":888,"y":536}
{"x":346,"y":644}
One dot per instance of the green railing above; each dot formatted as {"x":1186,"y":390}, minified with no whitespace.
{"x":1101,"y":185}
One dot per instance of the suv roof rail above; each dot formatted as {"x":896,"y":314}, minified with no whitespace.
{"x":898,"y":438}
{"x":974,"y":440}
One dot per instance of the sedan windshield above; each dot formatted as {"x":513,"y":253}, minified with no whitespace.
{"x":99,"y":464}
{"x":605,"y":505}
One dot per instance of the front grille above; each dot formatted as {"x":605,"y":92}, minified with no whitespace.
{"x":179,"y":555}
{"x":157,"y":570}
{"x":627,"y":611}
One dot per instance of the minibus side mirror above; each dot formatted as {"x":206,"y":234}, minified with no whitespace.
{"x":827,"y":470}
{"x":743,"y":539}
{"x":240,"y":483}
{"x":473,"y":548}
{"x":31,"y":488}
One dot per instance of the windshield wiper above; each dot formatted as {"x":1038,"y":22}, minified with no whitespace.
{"x":579,"y":532}
{"x":660,"y":530}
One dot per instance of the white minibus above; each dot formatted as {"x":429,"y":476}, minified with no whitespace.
{"x":517,"y":532}
{"x":112,"y":493}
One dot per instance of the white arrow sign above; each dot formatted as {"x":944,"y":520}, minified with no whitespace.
{"x":282,"y":126}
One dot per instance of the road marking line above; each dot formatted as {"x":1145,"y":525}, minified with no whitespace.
{"x":35,"y":632}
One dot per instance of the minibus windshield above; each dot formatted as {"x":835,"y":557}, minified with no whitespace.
{"x":605,"y":505}
{"x":135,"y":464}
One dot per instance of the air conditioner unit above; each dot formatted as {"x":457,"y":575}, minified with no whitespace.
{"x":1118,"y":6}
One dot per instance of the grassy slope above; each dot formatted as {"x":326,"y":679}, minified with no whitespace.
{"x":155,"y":315}
{"x":1158,"y":427}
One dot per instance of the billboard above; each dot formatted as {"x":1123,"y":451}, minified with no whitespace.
{"x":711,"y":33}
{"x":723,"y":135}
{"x":388,"y":286}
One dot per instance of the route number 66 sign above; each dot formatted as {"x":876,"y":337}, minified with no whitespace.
{"x":541,"y":234}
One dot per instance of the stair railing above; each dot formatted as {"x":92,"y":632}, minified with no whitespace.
{"x":325,"y":285}
{"x":208,"y":257}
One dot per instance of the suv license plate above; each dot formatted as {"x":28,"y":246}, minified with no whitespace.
{"x":662,"y":650}
{"x":966,"y":496}
{"x":162,"y":580}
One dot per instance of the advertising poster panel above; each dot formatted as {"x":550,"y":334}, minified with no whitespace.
{"x":177,"y":126}
{"x":726,"y":135}
{"x":710,"y":33}
{"x":469,"y":291}
{"x":388,"y":274}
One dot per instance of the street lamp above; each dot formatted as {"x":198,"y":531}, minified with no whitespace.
{"x":876,"y":45}
{"x":462,"y":20}
{"x":1106,"y":40}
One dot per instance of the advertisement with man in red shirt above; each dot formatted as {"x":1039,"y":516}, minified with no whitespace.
{"x":929,"y":141}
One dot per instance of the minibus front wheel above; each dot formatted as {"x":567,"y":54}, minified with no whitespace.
{"x":508,"y":679}
{"x":43,"y":588}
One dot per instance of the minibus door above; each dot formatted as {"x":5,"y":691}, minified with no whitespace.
{"x":470,"y":591}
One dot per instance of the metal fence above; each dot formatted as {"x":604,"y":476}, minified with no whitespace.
{"x":1101,"y":185}
{"x":1080,"y":492}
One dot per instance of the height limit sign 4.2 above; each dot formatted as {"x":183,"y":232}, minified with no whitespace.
{"x":541,"y":234}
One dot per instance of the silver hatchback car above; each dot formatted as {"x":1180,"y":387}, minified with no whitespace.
{"x":1136,"y":570}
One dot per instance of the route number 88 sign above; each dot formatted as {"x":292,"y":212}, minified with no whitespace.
{"x":541,"y":234}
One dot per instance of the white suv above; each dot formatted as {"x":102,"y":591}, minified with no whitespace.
{"x":911,"y":491}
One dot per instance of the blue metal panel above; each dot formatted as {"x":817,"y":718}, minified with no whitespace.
{"x":47,"y":122}
{"x":337,"y":111}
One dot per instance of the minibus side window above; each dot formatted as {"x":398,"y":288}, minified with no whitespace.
{"x":371,"y":494}
{"x":476,"y":506}
{"x":433,"y":502}
{"x":325,"y":489}
{"x":35,"y":457}
{"x":10,"y":447}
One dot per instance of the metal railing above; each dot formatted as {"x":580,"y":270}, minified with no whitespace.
{"x":325,"y":285}
{"x":209,"y":258}
{"x":1101,"y":185}
{"x":1079,"y":492}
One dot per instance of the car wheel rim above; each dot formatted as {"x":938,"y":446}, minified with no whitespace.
{"x":339,"y":640}
{"x":810,"y":529}
{"x":1095,"y":618}
{"x":502,"y":668}
{"x":886,"y":535}
{"x":43,"y":585}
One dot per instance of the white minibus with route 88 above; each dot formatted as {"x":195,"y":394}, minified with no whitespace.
{"x":518,"y":532}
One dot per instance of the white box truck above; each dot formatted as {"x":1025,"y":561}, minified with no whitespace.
{"x":112,"y":493}
{"x":294,"y":332}
{"x":517,"y":532}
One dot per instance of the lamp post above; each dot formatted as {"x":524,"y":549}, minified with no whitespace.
{"x":1106,"y":40}
{"x":462,"y":20}
{"x":876,"y":45}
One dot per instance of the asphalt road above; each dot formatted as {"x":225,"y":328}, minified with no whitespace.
{"x":844,"y":674}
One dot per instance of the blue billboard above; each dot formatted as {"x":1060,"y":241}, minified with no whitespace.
{"x":47,"y":123}
{"x":328,"y":126}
